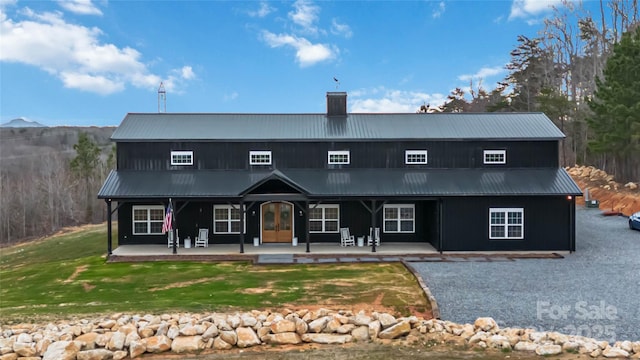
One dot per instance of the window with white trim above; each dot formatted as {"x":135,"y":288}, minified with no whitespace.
{"x":415,"y":156}
{"x":182,"y":158}
{"x":399,"y":218}
{"x":324,"y":218}
{"x":226,"y":219}
{"x":506,"y":223}
{"x":495,"y":156}
{"x":341,"y":157}
{"x":260,"y":157}
{"x":147,"y":219}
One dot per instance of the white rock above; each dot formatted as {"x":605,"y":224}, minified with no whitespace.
{"x":548,"y":349}
{"x":374,"y":329}
{"x":95,"y":354}
{"x":62,"y":350}
{"x":525,"y":346}
{"x":318,"y":325}
{"x":246,"y":337}
{"x":326,"y":338}
{"x":614,"y":352}
{"x":290,"y":338}
{"x":396,"y":331}
{"x":486,"y":324}
{"x":187,"y":344}
{"x":211,"y":332}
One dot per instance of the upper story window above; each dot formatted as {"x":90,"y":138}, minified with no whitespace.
{"x":148,"y":219}
{"x":342,"y":157}
{"x":415,"y":157}
{"x":260,"y":157}
{"x":506,"y":223}
{"x":495,"y":156}
{"x":182,"y":158}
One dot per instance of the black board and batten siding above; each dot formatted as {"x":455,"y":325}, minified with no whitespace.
{"x":150,"y":156}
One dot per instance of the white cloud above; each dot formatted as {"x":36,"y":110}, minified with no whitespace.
{"x":75,"y":54}
{"x":263,"y":11}
{"x":307,"y":53}
{"x":527,"y":8}
{"x":382,"y":100}
{"x":230,"y":97}
{"x":82,"y":7}
{"x":483,"y":73}
{"x":340,"y":29}
{"x":439,"y":10}
{"x":305,"y":14}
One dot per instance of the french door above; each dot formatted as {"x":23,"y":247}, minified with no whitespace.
{"x":277,"y":222}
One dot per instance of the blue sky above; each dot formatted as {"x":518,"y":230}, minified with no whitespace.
{"x":86,"y":63}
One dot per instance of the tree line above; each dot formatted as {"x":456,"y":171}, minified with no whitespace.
{"x":49,"y":179}
{"x":583,"y":71}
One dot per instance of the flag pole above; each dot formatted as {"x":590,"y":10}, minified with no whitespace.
{"x":173,"y":234}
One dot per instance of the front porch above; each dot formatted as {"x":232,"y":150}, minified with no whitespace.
{"x":320,"y":253}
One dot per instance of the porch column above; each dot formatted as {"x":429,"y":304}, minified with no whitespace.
{"x":109,"y":234}
{"x":242,"y":214}
{"x":373,"y":225}
{"x":440,"y":226}
{"x":306,"y":224}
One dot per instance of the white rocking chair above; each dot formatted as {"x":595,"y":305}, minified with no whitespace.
{"x":346,"y":239}
{"x":374,"y":234}
{"x":170,"y":239}
{"x":202,"y":240}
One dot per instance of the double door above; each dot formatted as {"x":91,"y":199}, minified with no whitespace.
{"x":277,"y":222}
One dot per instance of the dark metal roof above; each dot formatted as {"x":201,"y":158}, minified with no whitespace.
{"x":310,"y":127}
{"x":343,"y":183}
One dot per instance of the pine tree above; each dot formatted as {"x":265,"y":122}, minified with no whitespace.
{"x":615,"y":123}
{"x":84,"y":165}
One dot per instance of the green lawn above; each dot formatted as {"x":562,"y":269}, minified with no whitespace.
{"x":67,"y":275}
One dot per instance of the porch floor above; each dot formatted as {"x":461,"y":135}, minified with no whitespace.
{"x":320,"y":253}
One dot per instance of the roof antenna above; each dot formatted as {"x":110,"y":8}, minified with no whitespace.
{"x":162,"y":98}
{"x":337,"y":82}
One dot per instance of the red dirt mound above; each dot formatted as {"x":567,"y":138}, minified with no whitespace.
{"x":613,"y":196}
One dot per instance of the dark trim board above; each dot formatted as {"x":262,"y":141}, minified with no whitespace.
{"x":447,"y":223}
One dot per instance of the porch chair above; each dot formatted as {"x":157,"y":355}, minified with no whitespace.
{"x":202,"y":240}
{"x":374,"y":234}
{"x":346,"y":239}
{"x":170,"y":239}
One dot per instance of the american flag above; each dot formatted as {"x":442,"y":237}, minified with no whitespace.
{"x":167,"y":224}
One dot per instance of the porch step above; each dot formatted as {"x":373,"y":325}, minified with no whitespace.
{"x":275,"y":259}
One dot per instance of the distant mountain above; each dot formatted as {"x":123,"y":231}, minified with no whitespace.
{"x":21,"y":123}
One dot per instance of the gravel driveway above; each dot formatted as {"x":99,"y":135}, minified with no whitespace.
{"x":593,"y":292}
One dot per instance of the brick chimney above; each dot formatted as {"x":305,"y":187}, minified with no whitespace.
{"x":337,"y":104}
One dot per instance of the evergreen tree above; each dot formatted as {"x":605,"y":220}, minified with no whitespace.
{"x":84,"y":166}
{"x":615,"y":123}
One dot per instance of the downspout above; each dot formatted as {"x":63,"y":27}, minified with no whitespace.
{"x":242,"y":215}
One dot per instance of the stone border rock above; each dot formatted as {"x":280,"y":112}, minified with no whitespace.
{"x":130,"y":336}
{"x":435,"y":310}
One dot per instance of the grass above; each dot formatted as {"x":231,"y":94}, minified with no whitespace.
{"x":67,"y":275}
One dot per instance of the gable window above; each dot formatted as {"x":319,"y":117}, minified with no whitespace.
{"x":415,"y":157}
{"x":399,"y":218}
{"x":324,"y":218}
{"x":495,"y":156}
{"x":182,"y":158}
{"x":341,"y":157}
{"x":260,"y":157}
{"x":148,"y":219}
{"x":506,"y":223}
{"x":226,"y":219}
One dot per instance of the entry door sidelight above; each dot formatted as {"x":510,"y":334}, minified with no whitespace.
{"x":277,"y":222}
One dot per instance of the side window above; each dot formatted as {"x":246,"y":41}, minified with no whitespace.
{"x":506,"y":223}
{"x":262,"y":157}
{"x":342,"y":157}
{"x":415,"y":157}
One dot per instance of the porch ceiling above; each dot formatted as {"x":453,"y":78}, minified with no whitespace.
{"x":322,"y":183}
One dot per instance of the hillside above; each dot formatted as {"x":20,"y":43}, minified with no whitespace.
{"x":613,"y":196}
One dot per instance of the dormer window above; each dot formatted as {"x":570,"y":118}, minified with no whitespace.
{"x":415,"y":157}
{"x":495,"y":156}
{"x":182,"y":158}
{"x":339,"y":157}
{"x":260,"y":157}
